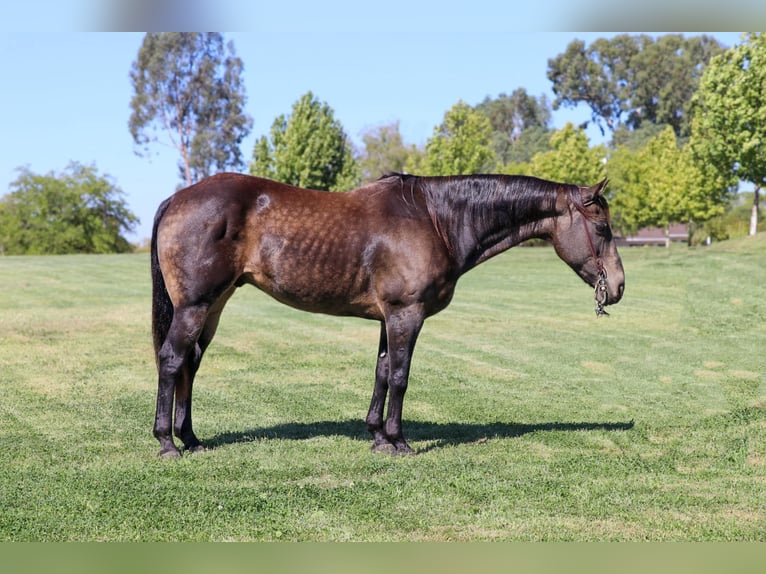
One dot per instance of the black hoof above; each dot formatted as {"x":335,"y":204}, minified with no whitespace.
{"x":169,"y":453}
{"x":195,"y":448}
{"x":400,"y":449}
{"x":384,"y":447}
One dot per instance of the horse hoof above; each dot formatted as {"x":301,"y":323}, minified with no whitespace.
{"x":384,"y":447}
{"x":404,"y":449}
{"x":169,"y":453}
{"x":196,"y":448}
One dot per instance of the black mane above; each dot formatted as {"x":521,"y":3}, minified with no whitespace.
{"x":464,"y":204}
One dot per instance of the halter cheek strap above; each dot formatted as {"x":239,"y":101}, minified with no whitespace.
{"x":600,"y":294}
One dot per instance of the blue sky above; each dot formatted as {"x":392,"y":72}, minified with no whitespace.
{"x":66,"y":94}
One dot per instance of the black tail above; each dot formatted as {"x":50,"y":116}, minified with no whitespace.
{"x":162,"y":307}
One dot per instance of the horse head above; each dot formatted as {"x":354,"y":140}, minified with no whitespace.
{"x":583,"y":239}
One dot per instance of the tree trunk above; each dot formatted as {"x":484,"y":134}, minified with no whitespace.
{"x":754,"y":212}
{"x":689,"y":232}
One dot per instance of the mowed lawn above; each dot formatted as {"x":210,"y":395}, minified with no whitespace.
{"x":533,"y":419}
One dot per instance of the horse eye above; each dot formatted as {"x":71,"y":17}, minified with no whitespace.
{"x":603,"y":229}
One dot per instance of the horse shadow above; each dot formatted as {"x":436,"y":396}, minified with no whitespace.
{"x":440,"y":434}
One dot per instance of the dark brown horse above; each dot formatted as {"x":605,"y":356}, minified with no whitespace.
{"x":391,"y":251}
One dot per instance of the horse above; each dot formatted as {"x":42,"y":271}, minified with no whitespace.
{"x":390,"y":251}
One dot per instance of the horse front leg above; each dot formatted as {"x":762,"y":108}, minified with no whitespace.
{"x":402,"y":329}
{"x":374,"y":421}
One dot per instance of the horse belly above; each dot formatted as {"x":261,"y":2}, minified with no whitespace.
{"x":318,"y":274}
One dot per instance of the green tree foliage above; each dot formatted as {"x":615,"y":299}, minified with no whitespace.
{"x":460,"y":145}
{"x":384,"y":151}
{"x":308,"y":149}
{"x":659,"y":184}
{"x":633,"y":79}
{"x":667,"y":73}
{"x":77,"y":211}
{"x":637,"y":138}
{"x":189,"y":87}
{"x":520,"y":125}
{"x":570,"y":160}
{"x":729,"y":129}
{"x":597,"y":75}
{"x":416,"y":160}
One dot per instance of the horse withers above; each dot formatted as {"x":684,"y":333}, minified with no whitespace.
{"x":391,"y":251}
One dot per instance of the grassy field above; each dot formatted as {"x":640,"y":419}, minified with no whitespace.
{"x":533,"y":419}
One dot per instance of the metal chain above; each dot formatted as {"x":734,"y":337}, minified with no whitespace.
{"x":600,"y":294}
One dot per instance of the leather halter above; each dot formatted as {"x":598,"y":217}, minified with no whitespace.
{"x":600,"y":289}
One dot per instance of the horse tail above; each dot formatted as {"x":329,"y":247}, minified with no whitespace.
{"x":162,"y":306}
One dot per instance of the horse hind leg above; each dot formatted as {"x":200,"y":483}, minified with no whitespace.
{"x":182,"y":422}
{"x":182,"y":427}
{"x":178,"y":360}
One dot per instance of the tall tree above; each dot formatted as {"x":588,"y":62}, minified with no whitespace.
{"x":570,"y":159}
{"x":597,"y":75}
{"x":659,"y":184}
{"x":76,"y":211}
{"x":189,"y":87}
{"x":632,"y":79}
{"x":384,"y":151}
{"x":667,"y":73}
{"x":520,"y":124}
{"x":460,"y":144}
{"x":729,"y":127}
{"x":308,"y":149}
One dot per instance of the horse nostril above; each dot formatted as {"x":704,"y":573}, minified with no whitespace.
{"x":620,"y":290}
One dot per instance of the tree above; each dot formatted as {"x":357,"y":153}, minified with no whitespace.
{"x":520,"y":125}
{"x":729,"y":127}
{"x":667,"y":73}
{"x":461,"y":144}
{"x":597,"y":75}
{"x":77,"y":211}
{"x":416,"y":160}
{"x":637,"y":138}
{"x":631,"y":80}
{"x":189,"y":86}
{"x":659,"y":184}
{"x":384,"y":151}
{"x":308,"y":149}
{"x":628,"y":198}
{"x":570,"y":159}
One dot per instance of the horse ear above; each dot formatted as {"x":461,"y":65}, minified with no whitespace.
{"x":589,"y":194}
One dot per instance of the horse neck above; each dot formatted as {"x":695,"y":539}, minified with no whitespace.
{"x":482,"y":216}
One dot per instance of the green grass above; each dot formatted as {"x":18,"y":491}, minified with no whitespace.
{"x":533,"y":419}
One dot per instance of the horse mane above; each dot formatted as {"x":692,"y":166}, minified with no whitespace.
{"x":482,"y":201}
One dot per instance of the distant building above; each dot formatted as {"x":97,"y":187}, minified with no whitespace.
{"x":678,"y":232}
